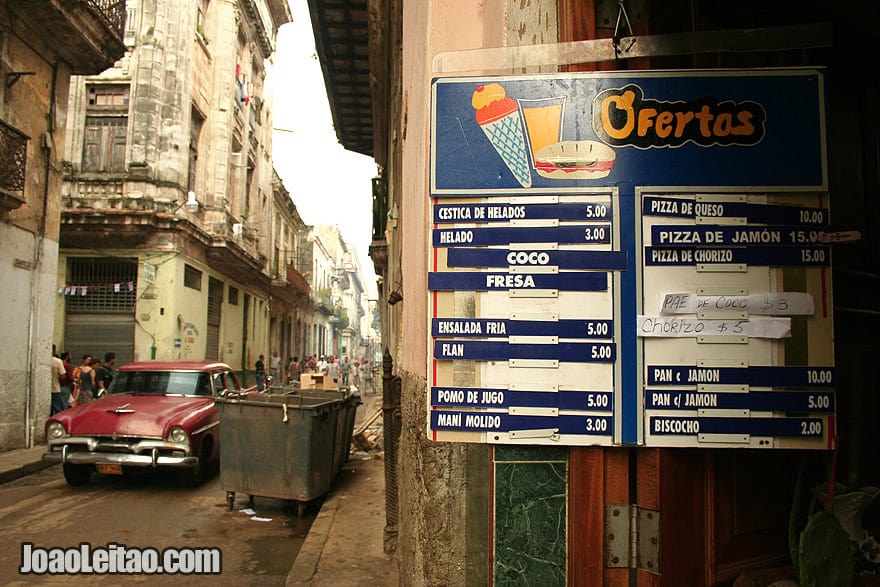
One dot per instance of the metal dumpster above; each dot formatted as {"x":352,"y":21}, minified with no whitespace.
{"x":284,"y":445}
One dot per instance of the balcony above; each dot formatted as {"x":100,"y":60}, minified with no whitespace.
{"x":323,"y":302}
{"x":290,"y":285}
{"x":13,"y":160}
{"x":87,"y":34}
{"x":339,"y":319}
{"x":296,"y":279}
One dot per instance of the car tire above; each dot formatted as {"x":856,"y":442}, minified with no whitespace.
{"x":193,"y":476}
{"x":77,"y":475}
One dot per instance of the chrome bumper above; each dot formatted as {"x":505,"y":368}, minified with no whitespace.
{"x":145,"y":454}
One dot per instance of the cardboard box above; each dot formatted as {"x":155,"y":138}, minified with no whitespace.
{"x":317,"y":381}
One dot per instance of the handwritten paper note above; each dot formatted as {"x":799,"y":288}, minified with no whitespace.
{"x":778,"y":304}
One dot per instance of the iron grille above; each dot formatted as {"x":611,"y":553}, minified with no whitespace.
{"x":13,"y":158}
{"x":380,"y":207}
{"x":112,"y":12}
{"x":106,"y":282}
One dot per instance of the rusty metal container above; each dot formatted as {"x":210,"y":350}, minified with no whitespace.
{"x":284,"y":445}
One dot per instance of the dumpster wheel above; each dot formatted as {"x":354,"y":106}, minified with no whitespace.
{"x":300,"y":508}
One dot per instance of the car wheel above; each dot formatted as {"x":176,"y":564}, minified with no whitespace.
{"x":193,"y":476}
{"x":77,"y":475}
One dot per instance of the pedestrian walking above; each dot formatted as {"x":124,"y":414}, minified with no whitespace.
{"x":260,"y":371}
{"x":367,"y":376}
{"x":293,"y":371}
{"x":346,"y":371}
{"x":275,"y":367}
{"x":356,"y":374}
{"x":104,"y":374}
{"x":56,"y":368}
{"x":333,"y":369}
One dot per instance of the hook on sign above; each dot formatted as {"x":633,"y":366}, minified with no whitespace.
{"x":622,"y":18}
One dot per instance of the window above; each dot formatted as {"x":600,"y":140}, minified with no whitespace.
{"x":195,"y":131}
{"x":200,"y":17}
{"x":106,"y":128}
{"x":130,"y":20}
{"x":192,"y":277}
{"x":232,"y":297}
{"x":108,"y":96}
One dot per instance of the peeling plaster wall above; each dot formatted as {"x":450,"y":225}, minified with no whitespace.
{"x":443,"y":487}
{"x":29,"y":239}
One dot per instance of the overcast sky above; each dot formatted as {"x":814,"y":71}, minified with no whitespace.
{"x":329,"y":185}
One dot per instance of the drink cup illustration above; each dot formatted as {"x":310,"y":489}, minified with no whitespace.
{"x":498,"y":116}
{"x":543,"y":120}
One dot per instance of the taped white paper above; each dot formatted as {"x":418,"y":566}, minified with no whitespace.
{"x":770,"y":304}
{"x":675,"y":327}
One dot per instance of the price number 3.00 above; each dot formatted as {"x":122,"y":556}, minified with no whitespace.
{"x":597,"y":425}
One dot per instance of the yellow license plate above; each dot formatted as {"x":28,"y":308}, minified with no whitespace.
{"x":109,"y":469}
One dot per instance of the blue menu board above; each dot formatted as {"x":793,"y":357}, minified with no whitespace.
{"x":566,"y":206}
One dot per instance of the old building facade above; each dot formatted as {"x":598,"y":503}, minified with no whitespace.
{"x":290,"y":311}
{"x":169,"y":201}
{"x":42,"y":43}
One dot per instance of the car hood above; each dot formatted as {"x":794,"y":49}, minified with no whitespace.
{"x":131,"y":414}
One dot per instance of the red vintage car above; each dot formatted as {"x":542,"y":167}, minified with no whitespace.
{"x":155,"y":414}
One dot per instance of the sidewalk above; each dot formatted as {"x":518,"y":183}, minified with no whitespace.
{"x":344,"y":545}
{"x":20,"y":462}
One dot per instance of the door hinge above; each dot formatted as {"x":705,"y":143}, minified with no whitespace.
{"x":632,"y":537}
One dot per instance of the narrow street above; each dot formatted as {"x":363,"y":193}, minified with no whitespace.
{"x":148,"y":511}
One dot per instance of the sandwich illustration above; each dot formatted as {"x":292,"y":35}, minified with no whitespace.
{"x":498,"y":116}
{"x":575,"y":160}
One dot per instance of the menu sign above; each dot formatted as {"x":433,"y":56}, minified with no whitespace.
{"x":631,"y":258}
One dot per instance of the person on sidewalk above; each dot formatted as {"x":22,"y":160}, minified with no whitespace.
{"x":366,"y":376}
{"x":84,"y":380}
{"x":345,"y":369}
{"x":333,"y":369}
{"x":67,"y":380}
{"x":56,"y":366}
{"x":275,"y":368}
{"x":293,"y":371}
{"x":356,"y":374}
{"x":104,"y":374}
{"x":260,"y":372}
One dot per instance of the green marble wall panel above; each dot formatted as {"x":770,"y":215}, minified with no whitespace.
{"x":530,"y":516}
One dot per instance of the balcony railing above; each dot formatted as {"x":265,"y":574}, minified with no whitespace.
{"x":13,"y":158}
{"x":296,"y":279}
{"x":112,"y":12}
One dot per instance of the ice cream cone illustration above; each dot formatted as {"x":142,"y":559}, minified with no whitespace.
{"x":498,"y":116}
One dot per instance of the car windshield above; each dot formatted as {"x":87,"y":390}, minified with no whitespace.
{"x":161,"y":383}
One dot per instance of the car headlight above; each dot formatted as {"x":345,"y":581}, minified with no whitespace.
{"x":56,"y":430}
{"x":178,"y":435}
